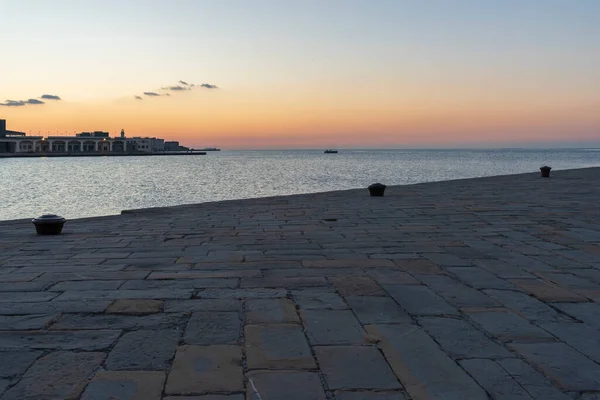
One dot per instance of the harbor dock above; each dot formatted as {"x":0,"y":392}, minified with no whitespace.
{"x":474,"y":289}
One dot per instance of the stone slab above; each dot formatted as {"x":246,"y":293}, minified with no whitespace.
{"x":423,"y":368}
{"x":64,"y":340}
{"x":326,"y":327}
{"x":205,"y":369}
{"x":355,"y":367}
{"x":269,"y":311}
{"x":419,"y":300}
{"x":569,"y":369}
{"x":281,"y":346}
{"x":460,"y":339}
{"x":213,"y":327}
{"x":125,"y":385}
{"x":145,"y":350}
{"x":288,"y":385}
{"x":506,"y":325}
{"x":58,"y":375}
{"x":377,"y":310}
{"x":495,"y":380}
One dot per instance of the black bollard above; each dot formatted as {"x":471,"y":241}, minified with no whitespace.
{"x":545,"y":171}
{"x":49,"y":224}
{"x":377,"y":189}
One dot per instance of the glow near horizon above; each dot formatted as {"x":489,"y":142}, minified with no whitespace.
{"x":314,"y":73}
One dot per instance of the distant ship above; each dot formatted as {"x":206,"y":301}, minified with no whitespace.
{"x":331,"y":151}
{"x":210,"y":149}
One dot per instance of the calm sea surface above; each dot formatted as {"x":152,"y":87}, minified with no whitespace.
{"x":83,"y":187}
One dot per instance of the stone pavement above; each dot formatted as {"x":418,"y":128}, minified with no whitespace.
{"x":473,"y":289}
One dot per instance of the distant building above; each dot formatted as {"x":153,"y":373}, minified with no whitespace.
{"x":2,"y":127}
{"x":146,"y":144}
{"x":93,"y":134}
{"x":172,"y":145}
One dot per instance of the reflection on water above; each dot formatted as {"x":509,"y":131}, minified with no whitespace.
{"x":83,"y":187}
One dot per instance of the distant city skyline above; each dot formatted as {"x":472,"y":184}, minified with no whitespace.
{"x":338,"y":73}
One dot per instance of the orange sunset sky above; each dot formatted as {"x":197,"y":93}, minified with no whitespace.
{"x":288,"y":74}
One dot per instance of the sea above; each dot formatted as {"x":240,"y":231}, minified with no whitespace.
{"x":77,"y":187}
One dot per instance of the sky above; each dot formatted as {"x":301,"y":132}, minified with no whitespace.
{"x":240,"y":74}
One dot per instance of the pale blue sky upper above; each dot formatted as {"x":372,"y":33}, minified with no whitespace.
{"x":84,"y":49}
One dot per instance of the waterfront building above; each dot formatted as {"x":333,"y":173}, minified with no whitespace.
{"x":146,"y":144}
{"x":18,"y":143}
{"x":172,"y":145}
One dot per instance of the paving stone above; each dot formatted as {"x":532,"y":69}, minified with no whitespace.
{"x":569,"y":369}
{"x":14,"y":363}
{"x":26,"y":297}
{"x":117,"y":321}
{"x":207,"y":397}
{"x":144,"y":350}
{"x":480,"y":278}
{"x":75,"y":295}
{"x":59,"y":375}
{"x":377,"y":310}
{"x":202,"y":305}
{"x":364,"y":395}
{"x":25,"y":322}
{"x":148,"y":284}
{"x":525,"y":305}
{"x":447,"y":260}
{"x":503,"y":270}
{"x":494,"y":379}
{"x":22,"y":286}
{"x":586,"y":312}
{"x":213,"y":327}
{"x":422,"y":367}
{"x":135,"y":307}
{"x":546,"y":291}
{"x":357,"y":286}
{"x":202,"y":369}
{"x":325,"y":327}
{"x":456,"y":293}
{"x":240,"y":293}
{"x":355,"y":367}
{"x":3,"y":385}
{"x":392,"y":277}
{"x":581,"y":337}
{"x":349,"y":263}
{"x":86,"y":285}
{"x":459,"y":339}
{"x":506,"y":325}
{"x":418,"y":267}
{"x":532,"y":381}
{"x":315,"y":301}
{"x":282,"y":346}
{"x":288,"y":385}
{"x":125,"y":385}
{"x":284,"y":282}
{"x":419,"y":300}
{"x":64,"y":340}
{"x":53,"y":307}
{"x":268,"y":311}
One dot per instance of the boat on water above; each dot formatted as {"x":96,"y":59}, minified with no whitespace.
{"x":331,"y":151}
{"x":210,"y":149}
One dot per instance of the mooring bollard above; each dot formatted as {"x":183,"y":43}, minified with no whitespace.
{"x":377,"y":189}
{"x":545,"y":171}
{"x":48,"y":224}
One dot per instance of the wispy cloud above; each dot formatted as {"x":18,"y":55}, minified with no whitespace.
{"x":21,"y":103}
{"x":50,"y":97}
{"x":182,"y":86}
{"x":13,"y":103}
{"x":177,"y":88}
{"x":138,"y":97}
